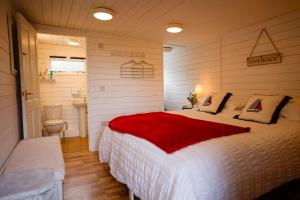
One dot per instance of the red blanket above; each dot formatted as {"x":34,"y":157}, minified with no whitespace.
{"x":172,"y":132}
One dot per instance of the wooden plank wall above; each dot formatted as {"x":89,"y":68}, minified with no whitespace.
{"x":9,"y":133}
{"x":281,"y":78}
{"x":231,"y":68}
{"x":187,"y":67}
{"x":109,"y":95}
{"x":58,"y":92}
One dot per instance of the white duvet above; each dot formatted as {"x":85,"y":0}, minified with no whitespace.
{"x":242,"y":166}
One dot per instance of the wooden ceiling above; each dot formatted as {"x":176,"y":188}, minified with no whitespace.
{"x":202,"y":19}
{"x":60,"y":40}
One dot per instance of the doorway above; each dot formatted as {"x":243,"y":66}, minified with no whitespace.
{"x":63,"y":82}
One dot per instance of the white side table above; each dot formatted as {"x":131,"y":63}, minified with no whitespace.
{"x":28,"y":185}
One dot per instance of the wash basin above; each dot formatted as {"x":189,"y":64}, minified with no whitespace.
{"x":79,"y":103}
{"x":81,"y":106}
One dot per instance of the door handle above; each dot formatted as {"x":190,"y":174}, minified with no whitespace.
{"x":26,"y":94}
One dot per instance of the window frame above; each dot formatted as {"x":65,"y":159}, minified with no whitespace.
{"x":70,"y":59}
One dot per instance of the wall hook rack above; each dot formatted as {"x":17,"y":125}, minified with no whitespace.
{"x":137,"y":70}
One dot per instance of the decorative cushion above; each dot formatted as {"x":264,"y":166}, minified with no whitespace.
{"x":292,"y":110}
{"x":263,"y":108}
{"x":214,"y":103}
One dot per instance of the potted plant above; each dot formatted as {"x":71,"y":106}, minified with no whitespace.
{"x":192,"y":98}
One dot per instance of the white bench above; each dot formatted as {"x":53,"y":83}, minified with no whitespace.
{"x":39,"y":154}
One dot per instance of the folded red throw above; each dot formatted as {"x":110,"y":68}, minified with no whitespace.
{"x":172,"y":132}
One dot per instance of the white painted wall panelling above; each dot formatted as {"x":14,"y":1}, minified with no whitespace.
{"x":58,"y":92}
{"x":281,"y":78}
{"x":120,"y":96}
{"x":9,"y":133}
{"x":186,"y":67}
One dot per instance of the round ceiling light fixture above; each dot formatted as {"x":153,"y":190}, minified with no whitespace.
{"x":103,"y":14}
{"x":174,"y":28}
{"x":73,"y":43}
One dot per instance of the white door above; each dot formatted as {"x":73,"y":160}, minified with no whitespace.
{"x":29,"y":78}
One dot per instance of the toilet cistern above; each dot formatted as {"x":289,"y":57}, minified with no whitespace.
{"x":76,"y":92}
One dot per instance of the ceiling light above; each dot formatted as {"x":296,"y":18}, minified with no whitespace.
{"x":174,"y":28}
{"x":103,"y":14}
{"x":73,"y":43}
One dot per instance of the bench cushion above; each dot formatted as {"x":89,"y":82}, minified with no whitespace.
{"x":16,"y":185}
{"x":38,"y":154}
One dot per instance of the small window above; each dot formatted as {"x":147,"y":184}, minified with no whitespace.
{"x":67,"y":65}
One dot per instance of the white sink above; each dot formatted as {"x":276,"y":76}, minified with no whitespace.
{"x":79,"y":103}
{"x":81,"y":106}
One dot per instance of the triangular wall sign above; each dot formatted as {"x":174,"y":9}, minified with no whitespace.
{"x":264,"y":59}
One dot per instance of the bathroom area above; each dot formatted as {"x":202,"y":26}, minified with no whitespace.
{"x":62,"y":85}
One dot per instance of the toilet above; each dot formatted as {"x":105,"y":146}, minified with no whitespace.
{"x":54,"y":125}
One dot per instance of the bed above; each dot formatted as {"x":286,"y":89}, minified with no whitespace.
{"x":242,"y":166}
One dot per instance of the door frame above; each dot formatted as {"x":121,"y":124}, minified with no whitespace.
{"x":16,"y":58}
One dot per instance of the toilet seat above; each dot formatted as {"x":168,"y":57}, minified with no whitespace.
{"x":54,"y":122}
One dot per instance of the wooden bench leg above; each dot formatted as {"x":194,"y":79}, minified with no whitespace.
{"x":59,"y":187}
{"x":131,"y":195}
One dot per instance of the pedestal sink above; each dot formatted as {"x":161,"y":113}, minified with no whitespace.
{"x":81,"y":105}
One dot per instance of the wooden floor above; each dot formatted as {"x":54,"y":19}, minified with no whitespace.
{"x":86,"y":178}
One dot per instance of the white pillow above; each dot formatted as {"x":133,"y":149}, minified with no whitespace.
{"x":214,"y":103}
{"x":263,"y":108}
{"x":292,"y":110}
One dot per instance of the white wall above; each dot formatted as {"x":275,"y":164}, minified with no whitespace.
{"x":225,"y":66}
{"x":8,"y":105}
{"x":58,"y":92}
{"x":281,"y":78}
{"x":187,"y":67}
{"x":111,"y":96}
